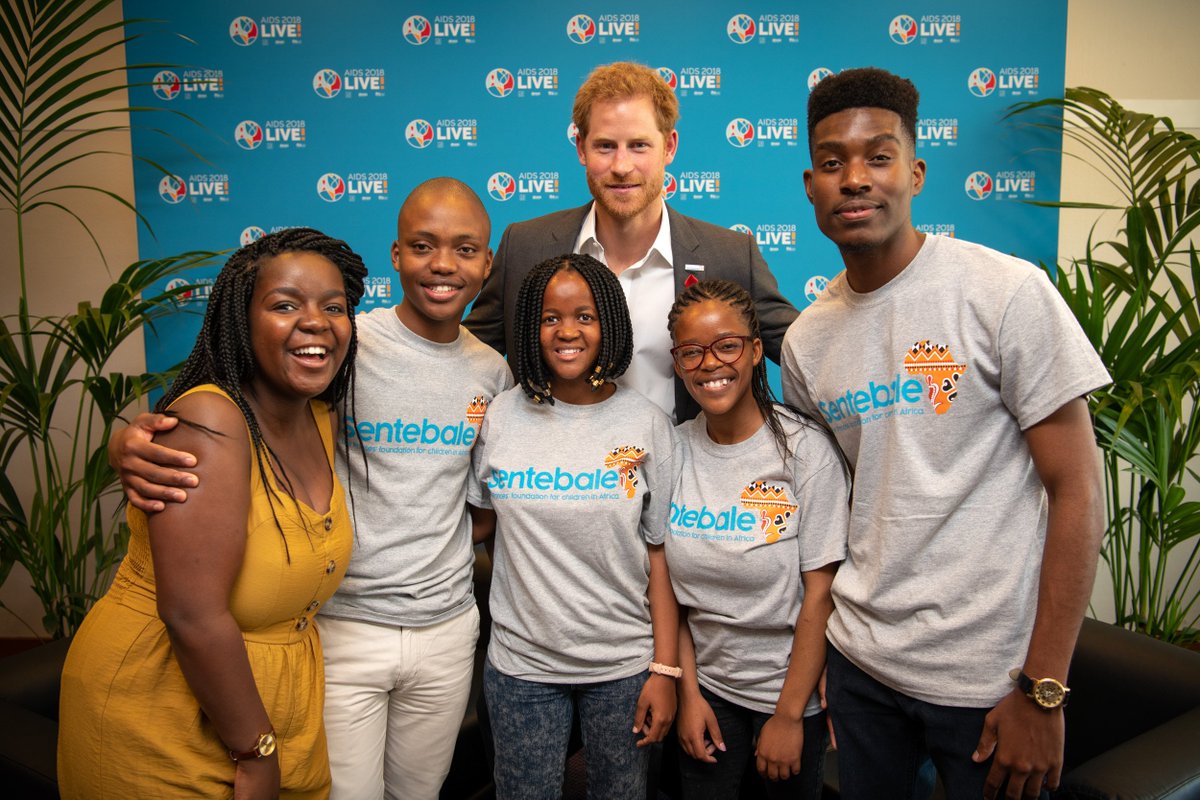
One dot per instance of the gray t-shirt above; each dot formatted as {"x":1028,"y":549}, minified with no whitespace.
{"x":744,"y":525}
{"x":578,"y":491}
{"x":928,"y":383}
{"x":419,"y":406}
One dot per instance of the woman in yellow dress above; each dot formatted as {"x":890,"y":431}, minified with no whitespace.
{"x":199,"y":673}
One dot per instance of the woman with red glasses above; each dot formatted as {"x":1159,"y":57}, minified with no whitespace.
{"x":759,"y":515}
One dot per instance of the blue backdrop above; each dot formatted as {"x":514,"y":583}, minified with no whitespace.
{"x":327,"y":115}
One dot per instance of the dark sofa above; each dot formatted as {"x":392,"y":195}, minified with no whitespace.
{"x":1133,"y":724}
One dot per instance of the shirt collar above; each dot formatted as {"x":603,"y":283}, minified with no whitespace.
{"x":589,"y":244}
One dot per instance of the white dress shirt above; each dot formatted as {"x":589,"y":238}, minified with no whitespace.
{"x":649,"y":286}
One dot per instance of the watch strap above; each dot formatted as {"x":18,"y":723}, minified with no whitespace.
{"x":264,"y":747}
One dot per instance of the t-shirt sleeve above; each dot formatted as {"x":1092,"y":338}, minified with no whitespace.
{"x":477,"y":488}
{"x":795,"y":391}
{"x":824,"y":499}
{"x":656,"y":503}
{"x":1046,"y":359}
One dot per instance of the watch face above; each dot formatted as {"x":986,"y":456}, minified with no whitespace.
{"x":1048,"y":693}
{"x":266,"y":745}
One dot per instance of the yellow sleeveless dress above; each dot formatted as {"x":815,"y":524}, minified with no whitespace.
{"x":129,"y":725}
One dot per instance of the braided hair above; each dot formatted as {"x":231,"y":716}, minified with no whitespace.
{"x":737,"y":298}
{"x":224,"y":353}
{"x":616,"y":331}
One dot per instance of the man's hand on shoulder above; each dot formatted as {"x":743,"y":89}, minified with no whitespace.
{"x":145,"y":468}
{"x":1027,"y":742}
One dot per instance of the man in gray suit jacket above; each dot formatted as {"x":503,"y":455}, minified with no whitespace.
{"x":625,"y":115}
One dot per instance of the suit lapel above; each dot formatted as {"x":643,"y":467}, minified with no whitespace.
{"x":684,"y":244}
{"x":566,"y":230}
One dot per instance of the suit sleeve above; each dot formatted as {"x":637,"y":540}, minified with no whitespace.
{"x":486,"y":319}
{"x":775,"y":313}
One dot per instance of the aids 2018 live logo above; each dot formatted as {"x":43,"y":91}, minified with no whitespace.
{"x":1005,"y":81}
{"x":930,"y":29}
{"x":817,"y":75}
{"x":525,"y":81}
{"x":443,"y":29}
{"x":739,"y":132}
{"x":615,"y":28}
{"x":529,"y":185}
{"x":352,"y":82}
{"x":245,"y":31}
{"x":767,"y":29}
{"x":695,"y":184}
{"x":283,"y":134}
{"x":501,"y":186}
{"x":197,"y":84}
{"x":1008,"y":184}
{"x":172,"y":189}
{"x":200,"y":188}
{"x":670,"y":186}
{"x":771,"y":237}
{"x":355,"y":187}
{"x":251,"y":234}
{"x":248,"y":134}
{"x":445,"y":132}
{"x":693,"y":80}
{"x":981,"y":82}
{"x":978,"y":185}
{"x":166,"y":85}
{"x":937,"y":131}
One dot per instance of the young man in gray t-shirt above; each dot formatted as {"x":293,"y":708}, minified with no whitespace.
{"x":953,"y":378}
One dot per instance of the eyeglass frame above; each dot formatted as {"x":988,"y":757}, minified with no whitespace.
{"x":708,"y":348}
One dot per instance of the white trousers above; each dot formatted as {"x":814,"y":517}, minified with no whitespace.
{"x":394,"y":703}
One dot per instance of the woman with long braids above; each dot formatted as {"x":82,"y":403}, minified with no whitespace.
{"x":758,"y":527}
{"x":199,"y":673}
{"x":578,"y":471}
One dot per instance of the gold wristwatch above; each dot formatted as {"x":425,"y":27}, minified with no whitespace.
{"x":263,"y":748}
{"x":1048,"y":693}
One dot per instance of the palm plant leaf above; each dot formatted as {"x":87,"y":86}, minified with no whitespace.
{"x":58,"y":398}
{"x":1137,"y":304}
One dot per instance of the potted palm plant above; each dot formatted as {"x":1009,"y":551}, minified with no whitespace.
{"x":58,"y":394}
{"x":1135,"y":296}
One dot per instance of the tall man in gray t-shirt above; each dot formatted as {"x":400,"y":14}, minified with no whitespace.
{"x":953,"y":378}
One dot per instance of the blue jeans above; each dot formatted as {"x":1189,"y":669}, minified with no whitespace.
{"x":531,"y":723}
{"x":884,"y":737}
{"x":740,"y":728}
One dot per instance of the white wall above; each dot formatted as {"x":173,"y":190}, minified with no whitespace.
{"x":1145,"y":54}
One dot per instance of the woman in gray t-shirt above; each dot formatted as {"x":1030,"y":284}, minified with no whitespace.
{"x":579,"y":474}
{"x":758,"y":524}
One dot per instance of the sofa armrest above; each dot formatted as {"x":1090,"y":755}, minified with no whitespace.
{"x":31,"y":679}
{"x":28,"y":750}
{"x":1124,"y":684}
{"x":1161,"y":763}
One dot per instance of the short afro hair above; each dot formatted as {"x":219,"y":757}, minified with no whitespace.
{"x":866,"y":87}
